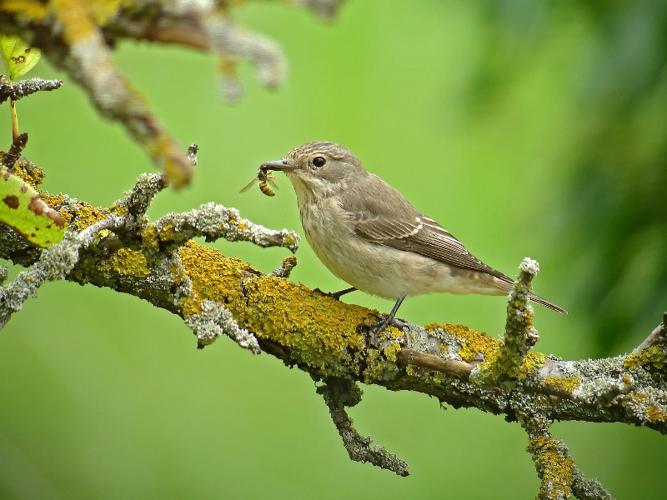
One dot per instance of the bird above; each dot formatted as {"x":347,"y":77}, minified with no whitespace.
{"x":370,"y":236}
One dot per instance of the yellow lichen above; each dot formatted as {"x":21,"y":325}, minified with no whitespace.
{"x":274,"y":309}
{"x":651,"y":356}
{"x":554,"y":466}
{"x":475,"y":345}
{"x":30,"y":9}
{"x":391,"y":351}
{"x":79,"y":216}
{"x":149,"y":236}
{"x":152,"y":236}
{"x":478,"y":346}
{"x":377,"y":367}
{"x":118,"y":209}
{"x":87,"y":215}
{"x":562,"y":384}
{"x":533,"y":361}
{"x":32,"y":174}
{"x":75,"y":20}
{"x":656,"y":414}
{"x":126,"y":262}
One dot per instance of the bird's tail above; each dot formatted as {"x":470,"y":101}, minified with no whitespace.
{"x":545,"y":302}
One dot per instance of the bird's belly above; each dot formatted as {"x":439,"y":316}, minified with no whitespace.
{"x":381,"y":270}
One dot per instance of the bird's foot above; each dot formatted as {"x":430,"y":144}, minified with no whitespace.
{"x":335,"y":295}
{"x":375,"y":328}
{"x":372,"y":330}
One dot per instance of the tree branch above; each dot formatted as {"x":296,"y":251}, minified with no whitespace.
{"x":18,"y":90}
{"x":216,"y":294}
{"x":119,"y":248}
{"x":339,"y":393}
{"x":559,"y":476}
{"x":520,"y":335}
{"x":78,"y":37}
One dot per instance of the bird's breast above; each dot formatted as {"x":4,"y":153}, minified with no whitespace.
{"x":373,"y":268}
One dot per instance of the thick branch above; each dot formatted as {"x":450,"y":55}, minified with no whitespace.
{"x":319,"y":334}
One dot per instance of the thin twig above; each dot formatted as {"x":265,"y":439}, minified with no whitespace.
{"x":15,"y":150}
{"x":339,"y":393}
{"x":454,"y":367}
{"x":285,"y":268}
{"x":139,"y":198}
{"x":20,"y":89}
{"x":213,"y":221}
{"x":657,"y":337}
{"x":558,"y":474}
{"x":215,"y":320}
{"x":520,"y":335}
{"x":193,"y":149}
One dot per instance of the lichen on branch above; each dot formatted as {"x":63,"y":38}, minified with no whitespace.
{"x":339,"y":393}
{"x":520,"y":334}
{"x":216,"y":294}
{"x":559,"y":477}
{"x":22,"y":88}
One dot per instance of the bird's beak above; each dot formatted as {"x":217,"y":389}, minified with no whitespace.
{"x":281,"y":165}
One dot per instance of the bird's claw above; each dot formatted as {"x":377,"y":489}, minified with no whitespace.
{"x":326,"y":294}
{"x":334,"y":295}
{"x":375,"y":328}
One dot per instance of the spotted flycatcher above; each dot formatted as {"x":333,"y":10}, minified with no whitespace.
{"x":370,"y":236}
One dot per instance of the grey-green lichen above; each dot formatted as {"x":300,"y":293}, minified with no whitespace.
{"x":215,"y":320}
{"x":23,"y":88}
{"x":213,"y":221}
{"x":339,"y":393}
{"x":54,"y":263}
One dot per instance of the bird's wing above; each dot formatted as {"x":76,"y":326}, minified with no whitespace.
{"x":383,"y":216}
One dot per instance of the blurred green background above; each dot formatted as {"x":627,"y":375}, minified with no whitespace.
{"x":525,"y":129}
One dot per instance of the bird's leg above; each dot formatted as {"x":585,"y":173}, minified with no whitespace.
{"x":378,"y":327}
{"x":336,"y":295}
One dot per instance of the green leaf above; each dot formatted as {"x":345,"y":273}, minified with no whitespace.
{"x":23,"y":209}
{"x":19,"y":58}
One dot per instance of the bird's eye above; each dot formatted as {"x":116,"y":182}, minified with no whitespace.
{"x":319,"y":161}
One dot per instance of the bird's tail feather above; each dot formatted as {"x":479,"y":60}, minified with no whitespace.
{"x":545,"y":302}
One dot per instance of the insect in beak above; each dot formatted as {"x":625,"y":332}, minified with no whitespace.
{"x":266,"y":181}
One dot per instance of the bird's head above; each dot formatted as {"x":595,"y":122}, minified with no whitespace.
{"x":318,"y":168}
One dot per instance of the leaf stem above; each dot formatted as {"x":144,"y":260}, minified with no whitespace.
{"x":15,"y":120}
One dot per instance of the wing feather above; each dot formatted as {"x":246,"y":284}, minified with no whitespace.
{"x":393,"y":222}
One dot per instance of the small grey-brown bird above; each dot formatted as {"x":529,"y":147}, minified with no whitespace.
{"x":370,"y":236}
